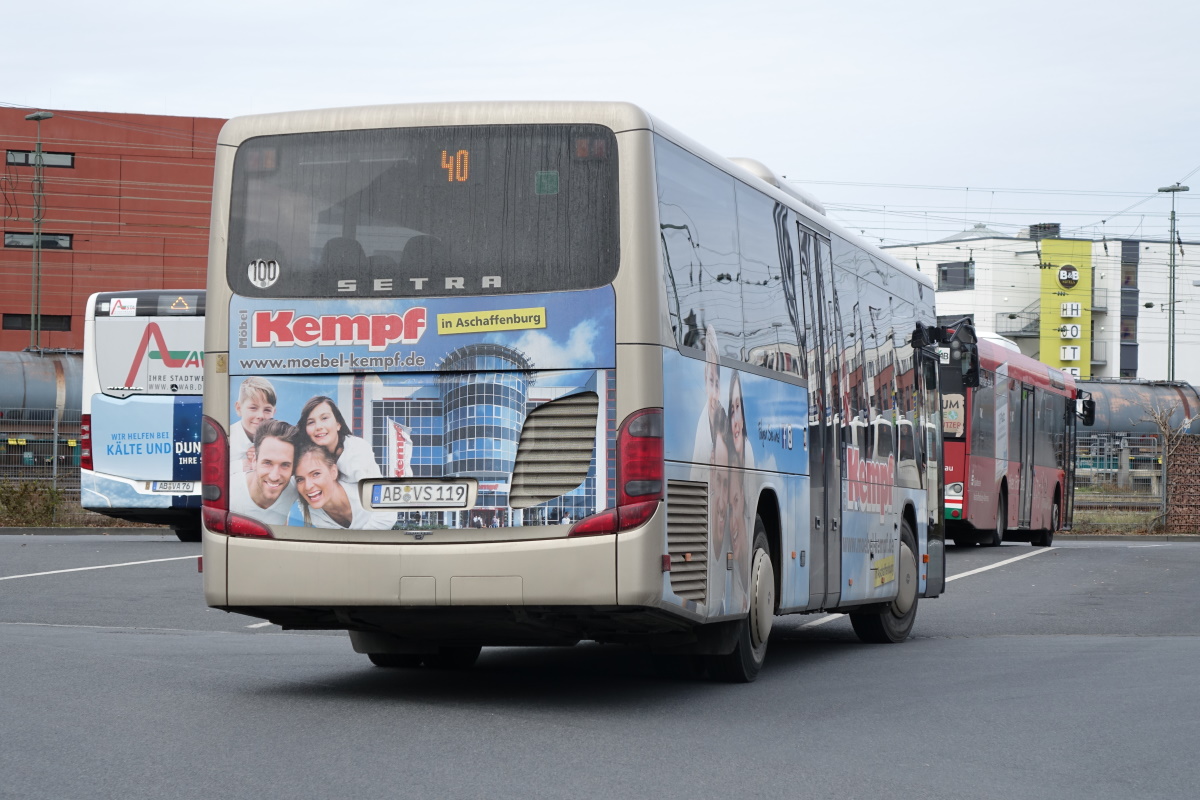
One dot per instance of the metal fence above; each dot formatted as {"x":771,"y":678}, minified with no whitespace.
{"x":41,"y":447}
{"x":1119,"y":481}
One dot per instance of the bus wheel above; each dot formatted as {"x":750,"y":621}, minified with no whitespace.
{"x":744,"y":663}
{"x":396,"y":660}
{"x":458,"y":657}
{"x":1001,"y":521}
{"x":189,"y":532}
{"x":895,"y":622}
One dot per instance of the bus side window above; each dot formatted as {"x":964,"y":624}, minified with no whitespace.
{"x":983,"y":422}
{"x":806,"y":291}
{"x":698,"y":236}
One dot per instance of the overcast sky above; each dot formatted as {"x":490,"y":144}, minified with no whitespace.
{"x":1013,"y":112}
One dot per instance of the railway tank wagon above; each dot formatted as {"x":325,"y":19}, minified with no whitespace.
{"x":1120,"y":457}
{"x":1122,"y":407}
{"x":40,"y":397}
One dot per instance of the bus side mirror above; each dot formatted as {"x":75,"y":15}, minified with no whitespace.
{"x":924,"y":336}
{"x":970,"y":366}
{"x":1088,"y":412}
{"x":965,"y":356}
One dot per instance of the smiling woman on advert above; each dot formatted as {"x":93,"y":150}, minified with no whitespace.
{"x":322,"y":423}
{"x":328,"y":502}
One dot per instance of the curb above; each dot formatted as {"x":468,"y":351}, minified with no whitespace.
{"x":88,"y":532}
{"x":1118,"y":537}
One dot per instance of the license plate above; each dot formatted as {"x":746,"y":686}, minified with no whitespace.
{"x":177,"y":487}
{"x":419,"y":495}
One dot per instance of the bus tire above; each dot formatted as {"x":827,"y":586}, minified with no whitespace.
{"x":895,"y":621}
{"x":744,"y":663}
{"x":396,"y":660}
{"x":191,"y":532}
{"x":453,"y":657}
{"x":997,"y":536}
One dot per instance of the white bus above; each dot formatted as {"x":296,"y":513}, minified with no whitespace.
{"x":551,"y":372}
{"x":143,"y":378}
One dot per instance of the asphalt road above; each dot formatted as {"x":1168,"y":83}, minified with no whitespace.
{"x":1069,"y":673}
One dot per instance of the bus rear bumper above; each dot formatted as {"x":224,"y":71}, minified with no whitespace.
{"x":112,"y":494}
{"x":545,"y":591}
{"x":550,"y":572}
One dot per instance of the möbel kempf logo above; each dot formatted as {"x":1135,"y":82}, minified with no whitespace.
{"x":376,"y":331}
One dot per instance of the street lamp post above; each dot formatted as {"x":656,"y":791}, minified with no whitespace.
{"x":1172,"y":190}
{"x":35,"y":315}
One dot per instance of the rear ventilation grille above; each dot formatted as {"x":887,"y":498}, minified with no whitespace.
{"x":555,"y":450}
{"x":687,"y":538}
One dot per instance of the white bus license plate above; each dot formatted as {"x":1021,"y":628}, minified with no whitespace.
{"x":177,"y":487}
{"x":419,"y":495}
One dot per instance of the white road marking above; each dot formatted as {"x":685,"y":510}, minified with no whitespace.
{"x":110,"y":566}
{"x":94,"y":627}
{"x":102,"y":566}
{"x":129,"y":628}
{"x":1034,"y":552}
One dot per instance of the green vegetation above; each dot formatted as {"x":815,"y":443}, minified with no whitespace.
{"x":29,"y":504}
{"x":1116,"y":521}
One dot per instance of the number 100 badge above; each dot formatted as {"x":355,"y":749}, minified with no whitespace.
{"x":263,"y":273}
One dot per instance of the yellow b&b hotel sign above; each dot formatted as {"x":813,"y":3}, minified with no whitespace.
{"x":1066,"y":291}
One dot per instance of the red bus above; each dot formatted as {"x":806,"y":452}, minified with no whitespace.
{"x":1009,"y":447}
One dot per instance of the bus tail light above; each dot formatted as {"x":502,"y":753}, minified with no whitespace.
{"x":214,"y":470}
{"x":244,"y":526}
{"x":85,"y":442}
{"x":214,"y":475}
{"x":639,"y":476}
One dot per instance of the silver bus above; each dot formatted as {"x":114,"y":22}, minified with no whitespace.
{"x":540,"y":373}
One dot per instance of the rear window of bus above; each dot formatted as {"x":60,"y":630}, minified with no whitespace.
{"x":424,"y":211}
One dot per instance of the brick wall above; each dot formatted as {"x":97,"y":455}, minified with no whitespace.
{"x":131,"y":195}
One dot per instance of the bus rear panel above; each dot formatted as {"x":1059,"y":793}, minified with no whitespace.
{"x":143,"y":378}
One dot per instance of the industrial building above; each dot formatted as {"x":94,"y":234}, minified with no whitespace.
{"x":115,"y":201}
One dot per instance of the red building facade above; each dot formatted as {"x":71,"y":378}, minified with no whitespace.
{"x":125,"y":201}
